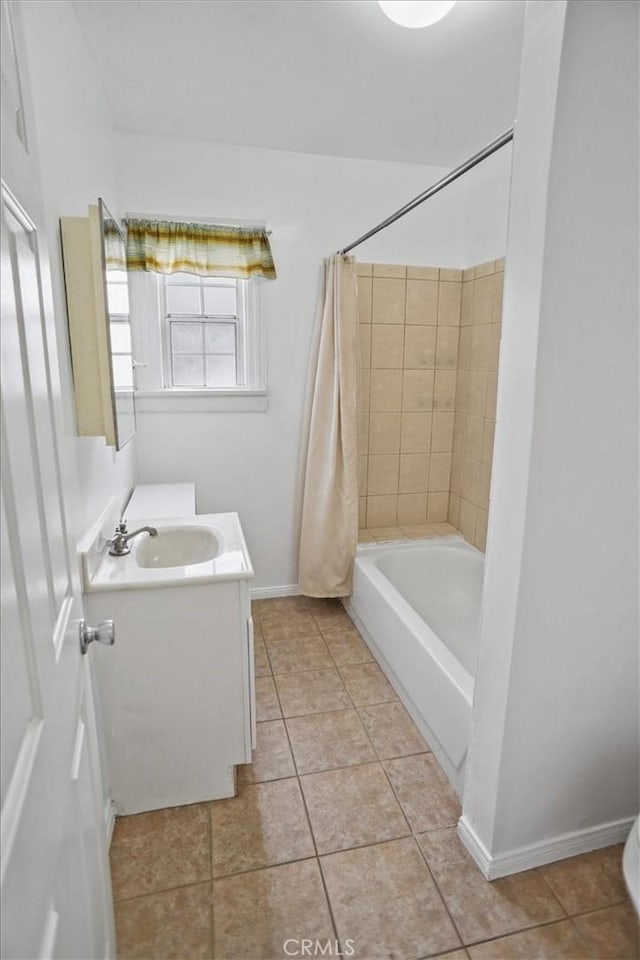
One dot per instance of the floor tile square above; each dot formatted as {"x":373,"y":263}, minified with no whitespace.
{"x":172,"y":924}
{"x":288,"y":625}
{"x":426,"y":796}
{"x":557,"y":941}
{"x":589,"y":881}
{"x":272,"y":758}
{"x":613,"y":932}
{"x":267,"y":705}
{"x":314,"y":691}
{"x":351,"y":807}
{"x":384,"y":900}
{"x":294,"y":656}
{"x":158,"y":850}
{"x":347,"y":646}
{"x":326,"y":740}
{"x":331,"y":618}
{"x":264,"y":825}
{"x":480,"y":909}
{"x":257,"y":913}
{"x":392,"y":731}
{"x":367,"y":684}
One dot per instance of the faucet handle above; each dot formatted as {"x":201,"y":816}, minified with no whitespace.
{"x":121,"y":527}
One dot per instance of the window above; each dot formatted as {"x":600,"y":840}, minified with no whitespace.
{"x":199,"y":343}
{"x":119,"y":329}
{"x":204,"y":335}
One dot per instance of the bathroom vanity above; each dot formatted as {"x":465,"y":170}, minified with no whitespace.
{"x":177,"y":688}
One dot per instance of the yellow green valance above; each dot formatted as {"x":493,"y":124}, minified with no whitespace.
{"x":207,"y":250}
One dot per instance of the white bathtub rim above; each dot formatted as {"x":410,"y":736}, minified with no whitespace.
{"x":455,"y":671}
{"x":543,"y":851}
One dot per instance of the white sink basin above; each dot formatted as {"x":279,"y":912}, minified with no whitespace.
{"x":178,"y":546}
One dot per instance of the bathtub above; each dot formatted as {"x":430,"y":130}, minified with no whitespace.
{"x":417,"y":605}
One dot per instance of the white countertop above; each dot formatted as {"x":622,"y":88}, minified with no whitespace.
{"x":123,"y":573}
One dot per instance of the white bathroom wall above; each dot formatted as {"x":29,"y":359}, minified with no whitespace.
{"x":486,"y":207}
{"x":314,"y":205}
{"x":75,"y":140}
{"x":553,"y":763}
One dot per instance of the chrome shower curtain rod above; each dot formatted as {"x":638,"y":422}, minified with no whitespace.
{"x":473,"y":161}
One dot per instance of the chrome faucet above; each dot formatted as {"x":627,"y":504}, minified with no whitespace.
{"x":119,"y":543}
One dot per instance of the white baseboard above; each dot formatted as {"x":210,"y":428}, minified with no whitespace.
{"x":545,"y":851}
{"x":265,"y":593}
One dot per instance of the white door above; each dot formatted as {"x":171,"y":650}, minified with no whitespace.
{"x":56,"y":899}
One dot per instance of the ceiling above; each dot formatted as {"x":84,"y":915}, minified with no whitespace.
{"x":318,"y":76}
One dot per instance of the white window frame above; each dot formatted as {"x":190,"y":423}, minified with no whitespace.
{"x":150,"y":329}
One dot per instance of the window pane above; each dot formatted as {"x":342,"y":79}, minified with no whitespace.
{"x":183,"y":299}
{"x":186,"y":338}
{"x":122,"y":372}
{"x":221,"y":372}
{"x":118,"y":298}
{"x":220,"y":338}
{"x":220,"y":301}
{"x":187,"y":371}
{"x":120,"y":334}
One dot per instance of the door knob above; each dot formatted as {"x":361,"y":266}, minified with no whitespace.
{"x":104,"y":633}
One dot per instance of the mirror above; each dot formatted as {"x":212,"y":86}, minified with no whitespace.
{"x":114,"y":264}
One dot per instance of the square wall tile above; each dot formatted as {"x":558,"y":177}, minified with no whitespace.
{"x":389,"y":270}
{"x":383,"y":474}
{"x":362,"y":513}
{"x":454,"y":510}
{"x":477,"y":392}
{"x":468,"y":296}
{"x":493,"y":353}
{"x":417,"y":390}
{"x":480,"y":535}
{"x":439,"y":473}
{"x":473,"y":433}
{"x":485,"y":269}
{"x":480,"y":346}
{"x":488,"y":438}
{"x":451,"y":273}
{"x":447,"y":347}
{"x":442,"y":432}
{"x":387,"y":345}
{"x":363,"y":432}
{"x":388,"y":301}
{"x":415,"y":432}
{"x":445,"y":390}
{"x":455,"y":482}
{"x":414,"y":471}
{"x":363,"y":470}
{"x":382,"y":511}
{"x":459,"y":425}
{"x":491,"y":396}
{"x":496,"y":308}
{"x":422,"y":301}
{"x":449,"y":302}
{"x":412,"y":508}
{"x":467,"y":521}
{"x":384,"y":434}
{"x":386,"y":390}
{"x":422,"y":273}
{"x":437,"y":507}
{"x":464,"y":352}
{"x":482,"y":300}
{"x":419,"y":347}
{"x":364,"y":269}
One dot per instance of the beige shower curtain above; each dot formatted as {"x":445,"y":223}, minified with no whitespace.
{"x":329,"y":530}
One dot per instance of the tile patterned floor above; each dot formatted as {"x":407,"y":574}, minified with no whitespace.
{"x":343,"y":831}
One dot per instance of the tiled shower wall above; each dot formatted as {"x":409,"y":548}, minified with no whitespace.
{"x":475,"y":407}
{"x":428,"y":351}
{"x":409,"y":322}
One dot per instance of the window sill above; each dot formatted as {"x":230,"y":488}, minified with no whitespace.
{"x":201,"y":401}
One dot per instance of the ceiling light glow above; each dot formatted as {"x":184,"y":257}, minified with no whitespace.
{"x":416,"y":13}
